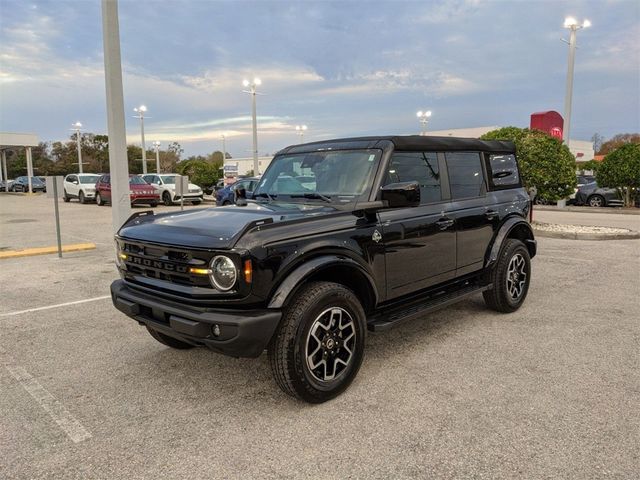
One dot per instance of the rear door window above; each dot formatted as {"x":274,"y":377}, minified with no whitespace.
{"x":465,"y":174}
{"x":503,"y":171}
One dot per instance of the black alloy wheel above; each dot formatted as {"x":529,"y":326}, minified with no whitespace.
{"x":596,"y":201}
{"x":510,"y":278}
{"x":166,"y":198}
{"x":318,"y":348}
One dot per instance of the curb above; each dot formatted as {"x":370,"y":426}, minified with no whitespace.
{"x":604,"y":210}
{"x":30,"y":252}
{"x":587,"y":236}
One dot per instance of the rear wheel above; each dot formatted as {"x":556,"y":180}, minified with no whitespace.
{"x":169,"y":341}
{"x":510,"y":278}
{"x":319,"y":345}
{"x":153,"y":204}
{"x":596,"y":201}
{"x":99,"y":199}
{"x":166,"y":198}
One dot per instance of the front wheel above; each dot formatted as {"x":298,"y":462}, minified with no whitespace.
{"x":510,"y":278}
{"x":319,"y":346}
{"x":166,"y":198}
{"x":596,"y":201}
{"x":81,"y":198}
{"x":65,"y":197}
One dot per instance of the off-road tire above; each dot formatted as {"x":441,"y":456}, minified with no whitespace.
{"x":287,"y":348}
{"x":166,"y":198}
{"x":498,"y":297}
{"x":99,"y":200}
{"x":81,"y":198}
{"x":65,"y":197}
{"x":169,"y":341}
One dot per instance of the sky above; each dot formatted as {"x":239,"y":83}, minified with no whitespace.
{"x":344,"y":68}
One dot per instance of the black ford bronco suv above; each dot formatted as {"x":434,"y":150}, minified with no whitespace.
{"x":339,"y":237}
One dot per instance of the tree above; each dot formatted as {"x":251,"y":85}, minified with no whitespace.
{"x":200,"y":171}
{"x":617,"y":141}
{"x":621,"y":169}
{"x":597,"y":140}
{"x":545,"y":162}
{"x":592,"y":165}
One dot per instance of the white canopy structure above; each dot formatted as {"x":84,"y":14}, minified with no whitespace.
{"x":11,"y":141}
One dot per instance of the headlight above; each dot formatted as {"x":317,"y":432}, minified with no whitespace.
{"x":120,"y":257}
{"x":223,"y":273}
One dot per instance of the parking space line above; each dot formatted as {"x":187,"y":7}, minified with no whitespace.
{"x":66,"y":304}
{"x":67,"y":422}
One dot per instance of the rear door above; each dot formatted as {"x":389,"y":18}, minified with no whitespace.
{"x":419,"y":242}
{"x":474,"y":219}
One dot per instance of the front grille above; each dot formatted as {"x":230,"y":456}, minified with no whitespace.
{"x":165,"y":263}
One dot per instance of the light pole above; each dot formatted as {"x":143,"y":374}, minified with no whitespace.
{"x":76,"y":127}
{"x":156,"y":145}
{"x":423,"y":117}
{"x":572,"y":24}
{"x":300,"y":129}
{"x":140,"y":111}
{"x":224,"y":148}
{"x":252,"y":90}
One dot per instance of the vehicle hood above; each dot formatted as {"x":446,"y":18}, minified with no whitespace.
{"x":214,"y":228}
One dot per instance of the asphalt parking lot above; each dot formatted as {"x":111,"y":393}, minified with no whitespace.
{"x":551,"y":391}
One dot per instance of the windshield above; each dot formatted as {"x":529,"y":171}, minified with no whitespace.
{"x":88,"y":178}
{"x":137,"y":181}
{"x":335,"y":176}
{"x":169,"y":180}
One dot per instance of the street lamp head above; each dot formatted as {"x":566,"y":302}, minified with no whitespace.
{"x":419,"y":114}
{"x":586,"y":24}
{"x":140,"y":109}
{"x":570,"y":22}
{"x":245,"y":83}
{"x":427,"y":113}
{"x":257,"y":81}
{"x":304,"y":127}
{"x":77,"y":125}
{"x":422,"y":114}
{"x":156,"y":143}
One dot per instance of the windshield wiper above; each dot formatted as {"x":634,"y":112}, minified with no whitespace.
{"x":265,"y":195}
{"x":314,"y":195}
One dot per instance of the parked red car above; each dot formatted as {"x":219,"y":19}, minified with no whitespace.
{"x":139,"y":191}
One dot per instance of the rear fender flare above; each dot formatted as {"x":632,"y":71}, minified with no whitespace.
{"x":507,"y":227}
{"x":296,"y":278}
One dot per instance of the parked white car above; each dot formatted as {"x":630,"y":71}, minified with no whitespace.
{"x":81,"y":186}
{"x":165,"y":183}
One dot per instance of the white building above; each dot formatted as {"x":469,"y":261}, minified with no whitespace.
{"x":245,"y":165}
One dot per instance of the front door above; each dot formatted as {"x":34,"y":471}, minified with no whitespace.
{"x":419,"y":242}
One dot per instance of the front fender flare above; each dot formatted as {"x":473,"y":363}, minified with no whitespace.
{"x":295,"y":278}
{"x":507,"y":227}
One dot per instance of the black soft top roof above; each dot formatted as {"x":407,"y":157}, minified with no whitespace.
{"x":407,"y":143}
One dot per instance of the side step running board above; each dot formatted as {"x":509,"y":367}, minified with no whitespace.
{"x":386,"y":320}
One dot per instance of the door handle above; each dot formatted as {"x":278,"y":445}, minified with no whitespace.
{"x":444,"y":223}
{"x":491,"y":214}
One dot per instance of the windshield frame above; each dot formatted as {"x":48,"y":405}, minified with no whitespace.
{"x":310,"y":196}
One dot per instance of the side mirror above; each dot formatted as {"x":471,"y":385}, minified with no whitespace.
{"x":403,"y":194}
{"x":75,"y":182}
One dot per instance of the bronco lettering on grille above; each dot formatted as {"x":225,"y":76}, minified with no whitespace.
{"x":158,"y":264}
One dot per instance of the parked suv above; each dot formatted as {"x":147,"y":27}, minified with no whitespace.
{"x":140,"y":192}
{"x":21,"y":184}
{"x":390,"y":228}
{"x":165,"y":183}
{"x":81,"y":186}
{"x":226,"y":195}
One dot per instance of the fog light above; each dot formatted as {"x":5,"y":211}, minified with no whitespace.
{"x":216,"y":330}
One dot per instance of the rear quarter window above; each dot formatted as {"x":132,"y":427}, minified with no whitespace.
{"x":503,"y":171}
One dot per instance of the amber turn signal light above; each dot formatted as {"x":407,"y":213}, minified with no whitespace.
{"x":248,"y":271}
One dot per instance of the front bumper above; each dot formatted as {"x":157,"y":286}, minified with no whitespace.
{"x":240,"y":333}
